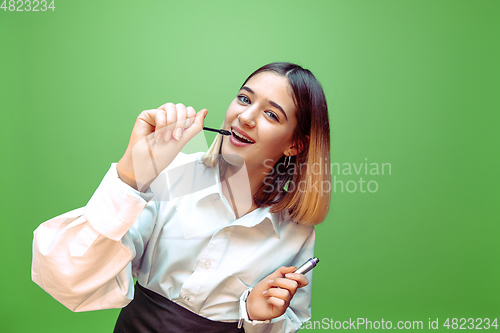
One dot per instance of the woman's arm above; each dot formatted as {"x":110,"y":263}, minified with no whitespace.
{"x":83,"y":258}
{"x":280,"y":302}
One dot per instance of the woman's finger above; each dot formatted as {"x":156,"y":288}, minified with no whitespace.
{"x":278,"y":303}
{"x":160,"y":119}
{"x":145,"y":124}
{"x":287,"y":284}
{"x":283,"y":294}
{"x":164,"y":106}
{"x":191,"y":115}
{"x":197,"y":125}
{"x":301,"y":279}
{"x":181,"y":120}
{"x":171,"y":120}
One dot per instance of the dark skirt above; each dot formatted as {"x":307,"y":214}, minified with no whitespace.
{"x":151,"y":312}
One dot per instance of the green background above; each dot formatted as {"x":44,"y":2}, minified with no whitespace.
{"x":411,"y":83}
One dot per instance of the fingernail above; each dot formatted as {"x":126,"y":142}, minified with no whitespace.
{"x":265,"y":292}
{"x":188,"y":122}
{"x":168,"y":135}
{"x":271,"y":281}
{"x":178,"y":133}
{"x":157,"y":137}
{"x":290,"y":275}
{"x":205,"y":114}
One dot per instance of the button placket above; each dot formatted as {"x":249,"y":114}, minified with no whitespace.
{"x":193,"y":286}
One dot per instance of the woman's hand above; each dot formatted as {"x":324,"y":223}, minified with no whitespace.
{"x":157,"y":137}
{"x":271,"y":297}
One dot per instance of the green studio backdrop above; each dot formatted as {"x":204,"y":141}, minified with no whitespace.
{"x":412,"y":89}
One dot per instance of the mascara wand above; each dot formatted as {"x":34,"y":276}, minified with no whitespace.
{"x":220,"y":131}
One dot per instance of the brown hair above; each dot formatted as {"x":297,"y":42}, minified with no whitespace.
{"x":308,"y":173}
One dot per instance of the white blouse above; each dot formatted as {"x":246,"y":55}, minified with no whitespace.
{"x":180,"y":239}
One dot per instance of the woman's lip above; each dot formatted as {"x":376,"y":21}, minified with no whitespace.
{"x":238,"y":143}
{"x":236,"y":129}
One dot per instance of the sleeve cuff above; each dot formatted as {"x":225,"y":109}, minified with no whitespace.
{"x":244,"y":314}
{"x":115,"y":206}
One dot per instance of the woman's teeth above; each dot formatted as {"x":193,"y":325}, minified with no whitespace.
{"x":241,"y":137}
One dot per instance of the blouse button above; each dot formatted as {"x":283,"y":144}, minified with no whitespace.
{"x":207,"y":264}
{"x":217,"y":200}
{"x":186,"y":298}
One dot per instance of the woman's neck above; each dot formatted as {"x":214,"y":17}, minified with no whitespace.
{"x":239,"y":186}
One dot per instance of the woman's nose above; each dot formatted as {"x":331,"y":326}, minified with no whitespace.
{"x":247,"y":117}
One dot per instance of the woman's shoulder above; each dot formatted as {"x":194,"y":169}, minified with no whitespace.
{"x":284,"y":224}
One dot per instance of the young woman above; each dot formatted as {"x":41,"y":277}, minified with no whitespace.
{"x":212,"y":238}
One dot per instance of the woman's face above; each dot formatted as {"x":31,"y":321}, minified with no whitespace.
{"x":263,"y":113}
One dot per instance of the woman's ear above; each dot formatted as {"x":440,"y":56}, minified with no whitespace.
{"x":292,"y":151}
{"x":297,"y":147}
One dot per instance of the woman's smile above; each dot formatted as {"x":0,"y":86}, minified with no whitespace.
{"x":239,"y":138}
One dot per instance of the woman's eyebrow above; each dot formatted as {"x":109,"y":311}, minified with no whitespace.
{"x":247,"y":89}
{"x":276,"y":105}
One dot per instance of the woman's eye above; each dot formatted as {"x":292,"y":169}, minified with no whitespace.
{"x":272,"y":115}
{"x":243,"y":99}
